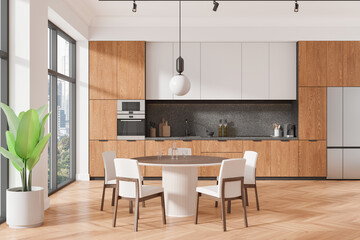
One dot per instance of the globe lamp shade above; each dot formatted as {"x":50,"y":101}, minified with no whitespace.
{"x":179,"y":85}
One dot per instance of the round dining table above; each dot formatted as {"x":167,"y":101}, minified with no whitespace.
{"x":179,"y":180}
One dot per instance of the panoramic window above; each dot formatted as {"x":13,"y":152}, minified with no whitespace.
{"x":4,"y":98}
{"x":61,"y":96}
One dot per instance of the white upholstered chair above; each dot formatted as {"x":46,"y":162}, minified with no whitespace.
{"x":109,"y":180}
{"x":250,"y":175}
{"x":181,"y":151}
{"x":128,"y":186}
{"x":230,"y":187}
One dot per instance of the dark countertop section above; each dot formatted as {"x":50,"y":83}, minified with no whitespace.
{"x":221,"y":138}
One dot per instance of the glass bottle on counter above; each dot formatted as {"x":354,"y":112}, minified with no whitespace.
{"x":226,"y":131}
{"x":174,"y":154}
{"x":220,"y":129}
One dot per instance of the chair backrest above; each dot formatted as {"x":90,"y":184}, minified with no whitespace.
{"x":128,"y":168}
{"x":181,"y":151}
{"x":250,"y":166}
{"x":231,"y":168}
{"x":108,"y":158}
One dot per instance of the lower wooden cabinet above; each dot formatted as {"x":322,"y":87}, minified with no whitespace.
{"x":263,"y":161}
{"x":284,"y":158}
{"x":96,"y":163}
{"x":131,"y":149}
{"x":312,"y":158}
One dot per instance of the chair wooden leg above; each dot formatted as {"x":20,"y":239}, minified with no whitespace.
{"x":216,"y":202}
{"x":229,"y":207}
{"x":257,"y":199}
{"x":223,"y":213}
{"x":102,"y":199}
{"x":136,"y":216}
{"x":244,"y":206}
{"x":115,"y":211}
{"x":163,"y":208}
{"x":130,"y":206}
{"x":197,"y":208}
{"x":113,"y":197}
{"x":246,"y":196}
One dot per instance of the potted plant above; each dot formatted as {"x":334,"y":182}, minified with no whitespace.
{"x":25,"y":141}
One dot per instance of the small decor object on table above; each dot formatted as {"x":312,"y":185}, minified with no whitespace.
{"x":25,"y":141}
{"x":276,"y":130}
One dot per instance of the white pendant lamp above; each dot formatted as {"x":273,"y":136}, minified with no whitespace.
{"x":179,"y":84}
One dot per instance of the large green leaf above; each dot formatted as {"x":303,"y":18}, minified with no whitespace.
{"x":15,"y":160}
{"x":28,"y":134}
{"x":12,"y":119}
{"x":35,"y":156}
{"x":42,"y":124}
{"x":20,"y":116}
{"x":10,"y":141}
{"x":41,"y":111}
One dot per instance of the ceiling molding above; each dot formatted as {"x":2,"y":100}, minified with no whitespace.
{"x":83,"y":10}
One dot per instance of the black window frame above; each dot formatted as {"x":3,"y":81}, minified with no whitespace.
{"x":54,"y":76}
{"x":4,"y":77}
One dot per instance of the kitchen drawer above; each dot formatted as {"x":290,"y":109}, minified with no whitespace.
{"x":221,"y":146}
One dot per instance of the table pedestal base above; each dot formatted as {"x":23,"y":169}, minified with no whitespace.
{"x":179,"y":185}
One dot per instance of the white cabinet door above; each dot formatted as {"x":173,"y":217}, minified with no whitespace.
{"x":351,"y":163}
{"x":334,"y":116}
{"x":190,"y":52}
{"x":159,"y":70}
{"x":282,"y":71}
{"x":221,"y":71}
{"x":334,"y":164}
{"x":351,"y":116}
{"x":255,"y":71}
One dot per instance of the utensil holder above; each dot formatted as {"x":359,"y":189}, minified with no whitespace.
{"x":276,"y":132}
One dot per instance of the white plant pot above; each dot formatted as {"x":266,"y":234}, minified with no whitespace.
{"x":25,"y":209}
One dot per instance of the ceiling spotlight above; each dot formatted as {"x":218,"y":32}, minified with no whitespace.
{"x":216,"y":5}
{"x":134,"y":6}
{"x":296,"y":9}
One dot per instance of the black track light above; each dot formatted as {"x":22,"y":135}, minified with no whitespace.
{"x":134,"y":6}
{"x":296,"y":9}
{"x":216,"y":5}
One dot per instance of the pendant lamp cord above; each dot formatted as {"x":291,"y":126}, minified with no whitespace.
{"x":180,"y":28}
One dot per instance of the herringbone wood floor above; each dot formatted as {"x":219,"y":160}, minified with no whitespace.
{"x":289,"y":210}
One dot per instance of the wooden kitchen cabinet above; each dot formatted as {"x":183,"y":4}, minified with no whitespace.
{"x":351,"y":64}
{"x":96,"y":162}
{"x":131,"y":149}
{"x":312,"y":64}
{"x":221,"y":146}
{"x":131,"y":70}
{"x":284,"y":158}
{"x":102,"y":120}
{"x":152,"y":147}
{"x":312,"y":159}
{"x":312,"y":113}
{"x":103,"y":70}
{"x":263,"y":161}
{"x":335,"y":63}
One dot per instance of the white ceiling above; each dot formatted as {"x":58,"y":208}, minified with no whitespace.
{"x":230,"y":14}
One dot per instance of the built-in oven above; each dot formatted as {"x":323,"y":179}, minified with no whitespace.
{"x":131,"y":119}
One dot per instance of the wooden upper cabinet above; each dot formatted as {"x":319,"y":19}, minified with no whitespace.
{"x":263,"y":160}
{"x":335,"y":63}
{"x":96,"y":162}
{"x":312,"y":159}
{"x":131,"y":70}
{"x":312,"y":63}
{"x":284,"y":158}
{"x":312,"y":113}
{"x":351,"y":64}
{"x":102,"y":120}
{"x":103,"y":70}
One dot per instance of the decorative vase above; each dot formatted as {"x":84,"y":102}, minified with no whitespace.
{"x":24,"y":209}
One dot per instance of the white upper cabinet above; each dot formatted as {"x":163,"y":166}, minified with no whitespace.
{"x":255,"y":71}
{"x":190,"y":52}
{"x":159,"y":70}
{"x":283,"y":71}
{"x":221,"y":71}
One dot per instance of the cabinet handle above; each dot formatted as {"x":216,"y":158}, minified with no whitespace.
{"x":257,"y":140}
{"x":285,"y":140}
{"x":131,"y":140}
{"x":103,"y":140}
{"x":157,"y":140}
{"x":187,"y":140}
{"x":222,"y":140}
{"x":313,"y":140}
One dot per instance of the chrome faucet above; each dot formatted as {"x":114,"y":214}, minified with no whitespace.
{"x":186,"y":127}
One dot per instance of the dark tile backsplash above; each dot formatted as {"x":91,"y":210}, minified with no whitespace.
{"x":245,"y":118}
